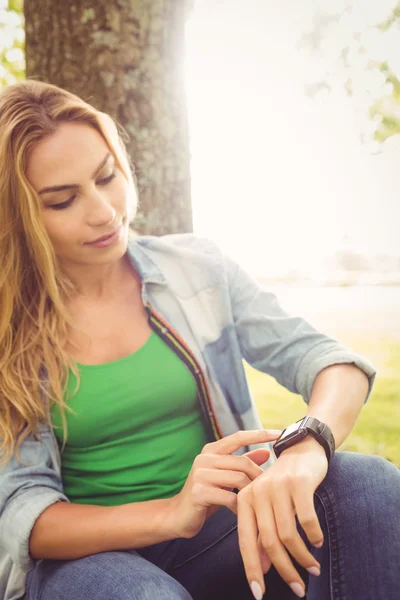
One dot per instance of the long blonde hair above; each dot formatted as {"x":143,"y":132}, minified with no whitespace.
{"x":34,"y":322}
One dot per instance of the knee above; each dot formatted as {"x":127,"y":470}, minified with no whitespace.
{"x":159,"y":587}
{"x":360,"y":498}
{"x":353,"y":476}
{"x":351,"y":466}
{"x":117,"y":575}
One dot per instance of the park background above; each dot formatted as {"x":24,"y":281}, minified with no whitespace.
{"x":294,"y":120}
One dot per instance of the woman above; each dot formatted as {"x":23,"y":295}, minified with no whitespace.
{"x":131,"y":447}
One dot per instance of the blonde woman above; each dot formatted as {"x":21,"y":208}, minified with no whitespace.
{"x":132,"y":452}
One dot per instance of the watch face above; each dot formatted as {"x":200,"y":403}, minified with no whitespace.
{"x":291,"y":429}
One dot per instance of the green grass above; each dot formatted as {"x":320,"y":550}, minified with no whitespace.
{"x":377,"y":430}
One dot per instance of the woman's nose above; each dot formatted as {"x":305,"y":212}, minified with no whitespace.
{"x":101,"y":211}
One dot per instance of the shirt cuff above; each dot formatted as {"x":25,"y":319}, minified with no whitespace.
{"x":17,"y":528}
{"x":325,"y":355}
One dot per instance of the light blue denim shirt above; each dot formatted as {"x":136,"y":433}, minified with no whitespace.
{"x":205,"y":304}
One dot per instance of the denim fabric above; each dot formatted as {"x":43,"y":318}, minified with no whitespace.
{"x":359,"y":511}
{"x":222,"y":316}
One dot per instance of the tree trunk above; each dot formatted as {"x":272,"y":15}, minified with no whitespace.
{"x":126,"y":58}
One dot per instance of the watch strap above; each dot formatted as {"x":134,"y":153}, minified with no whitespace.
{"x":322,"y":433}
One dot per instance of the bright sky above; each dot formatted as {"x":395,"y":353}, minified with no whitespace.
{"x":279,"y":179}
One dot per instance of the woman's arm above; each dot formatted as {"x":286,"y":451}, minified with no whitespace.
{"x":284,"y":346}
{"x":267,"y":507}
{"x":67,"y":531}
{"x":337,"y":397}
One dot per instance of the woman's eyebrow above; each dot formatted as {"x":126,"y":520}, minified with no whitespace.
{"x":59,"y":188}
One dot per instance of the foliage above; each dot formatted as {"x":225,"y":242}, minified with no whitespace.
{"x":387,"y":109}
{"x":358,"y":44}
{"x":12,"y":43}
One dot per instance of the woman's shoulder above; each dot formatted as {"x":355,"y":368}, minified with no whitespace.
{"x":178,"y":242}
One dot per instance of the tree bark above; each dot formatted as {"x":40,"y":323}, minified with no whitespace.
{"x":126,"y":58}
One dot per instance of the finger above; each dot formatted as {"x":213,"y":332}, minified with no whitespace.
{"x":248,"y":543}
{"x":223,"y":479}
{"x":237,"y":463}
{"x":264,"y":558}
{"x":258,"y":456}
{"x":307,"y":517}
{"x":287,"y":530}
{"x":231,"y":443}
{"x":271,"y":542}
{"x":207,"y":495}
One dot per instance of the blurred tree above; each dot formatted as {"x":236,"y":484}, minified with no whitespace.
{"x":125,"y":57}
{"x":12,"y":37}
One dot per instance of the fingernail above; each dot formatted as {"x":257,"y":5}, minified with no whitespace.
{"x":297,"y":589}
{"x":319,"y":545}
{"x":256,"y":589}
{"x":314,"y":571}
{"x":274,"y":431}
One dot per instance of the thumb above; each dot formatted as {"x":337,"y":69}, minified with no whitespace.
{"x":259,"y":456}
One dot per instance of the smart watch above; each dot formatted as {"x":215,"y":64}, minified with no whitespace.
{"x":300,"y":430}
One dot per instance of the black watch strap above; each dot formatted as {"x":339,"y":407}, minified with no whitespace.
{"x":322,"y":433}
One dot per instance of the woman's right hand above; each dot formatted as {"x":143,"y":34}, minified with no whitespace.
{"x":213,"y":476}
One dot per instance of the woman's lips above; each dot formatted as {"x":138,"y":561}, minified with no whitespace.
{"x":106,"y":240}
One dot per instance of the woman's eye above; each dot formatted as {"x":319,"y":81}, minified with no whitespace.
{"x":63,"y":204}
{"x":67,"y":203}
{"x":107,"y":179}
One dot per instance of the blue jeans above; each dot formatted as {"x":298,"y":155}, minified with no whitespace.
{"x":358,"y":505}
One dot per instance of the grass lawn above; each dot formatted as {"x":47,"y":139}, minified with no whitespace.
{"x":377,"y":430}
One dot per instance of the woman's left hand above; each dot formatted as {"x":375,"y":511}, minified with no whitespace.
{"x":266,"y":515}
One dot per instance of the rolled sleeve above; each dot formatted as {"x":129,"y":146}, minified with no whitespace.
{"x":27,"y":487}
{"x":326,"y":354}
{"x":286,"y":347}
{"x":17,"y":523}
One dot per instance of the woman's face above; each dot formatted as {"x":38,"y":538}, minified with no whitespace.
{"x":92,"y":196}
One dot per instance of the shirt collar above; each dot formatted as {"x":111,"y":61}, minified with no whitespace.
{"x":139,"y":257}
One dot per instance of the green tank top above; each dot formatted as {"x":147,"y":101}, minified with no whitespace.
{"x":136,"y":431}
